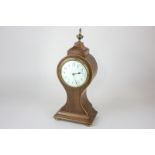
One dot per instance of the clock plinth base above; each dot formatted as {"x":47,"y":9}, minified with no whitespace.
{"x":78,"y":118}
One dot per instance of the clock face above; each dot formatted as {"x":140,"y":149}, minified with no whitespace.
{"x":74,"y":73}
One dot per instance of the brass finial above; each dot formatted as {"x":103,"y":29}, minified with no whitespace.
{"x":80,"y":36}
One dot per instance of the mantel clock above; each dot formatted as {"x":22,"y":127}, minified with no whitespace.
{"x":75,"y":72}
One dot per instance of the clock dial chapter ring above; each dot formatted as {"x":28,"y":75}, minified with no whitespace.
{"x":75,"y":74}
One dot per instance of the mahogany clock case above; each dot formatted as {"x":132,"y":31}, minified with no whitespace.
{"x":77,"y":107}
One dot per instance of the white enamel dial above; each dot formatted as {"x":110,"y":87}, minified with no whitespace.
{"x":74,"y":73}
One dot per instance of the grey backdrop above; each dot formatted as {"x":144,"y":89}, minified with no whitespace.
{"x":123,"y":91}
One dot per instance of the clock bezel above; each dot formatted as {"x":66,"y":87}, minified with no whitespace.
{"x":83,"y":62}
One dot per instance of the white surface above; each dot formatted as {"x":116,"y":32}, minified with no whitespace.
{"x":74,"y":73}
{"x":77,"y":12}
{"x":123,"y":91}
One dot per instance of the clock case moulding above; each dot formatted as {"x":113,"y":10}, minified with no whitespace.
{"x":77,"y":107}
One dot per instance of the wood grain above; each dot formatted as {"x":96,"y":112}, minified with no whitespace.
{"x":77,"y":107}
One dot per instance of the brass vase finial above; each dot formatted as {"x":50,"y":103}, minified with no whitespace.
{"x":80,"y":36}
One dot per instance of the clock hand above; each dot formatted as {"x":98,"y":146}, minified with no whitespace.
{"x":76,"y":73}
{"x":75,"y":82}
{"x":74,"y":78}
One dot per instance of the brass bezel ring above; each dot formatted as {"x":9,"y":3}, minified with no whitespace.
{"x":79,"y":59}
